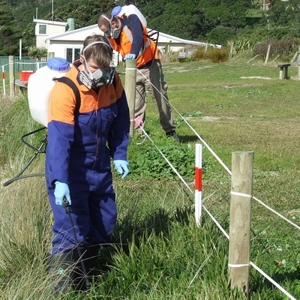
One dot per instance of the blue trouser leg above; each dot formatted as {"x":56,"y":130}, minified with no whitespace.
{"x":94,"y":217}
{"x":103,"y":220}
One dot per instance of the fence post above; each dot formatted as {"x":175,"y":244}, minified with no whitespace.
{"x":50,"y":55}
{"x":206,"y":46}
{"x":3,"y":80}
{"x":130,"y":82}
{"x":11,"y":75}
{"x":268,"y":53}
{"x":298,"y":62}
{"x":240,"y":219}
{"x":198,"y":185}
{"x":231,"y":50}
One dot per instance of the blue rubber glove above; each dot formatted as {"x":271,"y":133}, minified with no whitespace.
{"x":122,"y":167}
{"x":129,"y":56}
{"x":61,"y":191}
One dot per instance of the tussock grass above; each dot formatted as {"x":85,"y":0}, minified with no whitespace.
{"x":157,"y":251}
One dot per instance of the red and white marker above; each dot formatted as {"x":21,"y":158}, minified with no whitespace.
{"x":3,"y":80}
{"x":198,"y":184}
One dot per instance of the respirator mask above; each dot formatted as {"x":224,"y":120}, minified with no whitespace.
{"x":111,"y":33}
{"x":98,"y":78}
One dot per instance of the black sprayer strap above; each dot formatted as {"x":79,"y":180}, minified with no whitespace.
{"x":73,"y":86}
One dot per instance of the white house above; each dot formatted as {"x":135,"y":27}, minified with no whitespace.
{"x":68,"y":44}
{"x":44,"y":29}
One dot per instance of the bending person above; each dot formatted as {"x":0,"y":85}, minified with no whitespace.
{"x":129,"y":37}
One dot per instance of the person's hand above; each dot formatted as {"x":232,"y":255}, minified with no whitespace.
{"x":129,"y":56}
{"x":61,"y":191}
{"x":122,"y":167}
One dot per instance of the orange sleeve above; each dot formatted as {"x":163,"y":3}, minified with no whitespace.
{"x":62,"y":104}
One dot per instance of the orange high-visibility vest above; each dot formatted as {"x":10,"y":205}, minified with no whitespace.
{"x":147,"y":52}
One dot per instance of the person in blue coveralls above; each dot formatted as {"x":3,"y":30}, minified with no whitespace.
{"x":81,"y":145}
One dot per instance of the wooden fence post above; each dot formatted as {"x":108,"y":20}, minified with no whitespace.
{"x":130,"y":82}
{"x":11,"y":75}
{"x":252,"y":58}
{"x":298,"y":62}
{"x":268,"y":54}
{"x":240,"y":219}
{"x":231,"y":50}
{"x":206,"y":46}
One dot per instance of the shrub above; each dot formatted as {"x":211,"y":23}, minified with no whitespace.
{"x":200,"y":54}
{"x":243,"y":45}
{"x":277,"y":47}
{"x":217,"y":55}
{"x":37,"y":53}
{"x":220,"y":35}
{"x":150,"y":164}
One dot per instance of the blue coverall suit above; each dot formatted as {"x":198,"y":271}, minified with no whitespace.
{"x":79,"y":152}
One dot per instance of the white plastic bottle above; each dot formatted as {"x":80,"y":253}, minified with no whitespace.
{"x":40,"y":85}
{"x":129,"y":10}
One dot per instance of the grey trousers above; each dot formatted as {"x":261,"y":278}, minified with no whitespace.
{"x":152,"y":79}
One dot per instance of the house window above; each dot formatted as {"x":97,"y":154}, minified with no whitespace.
{"x":72,"y":54}
{"x":42,"y":29}
{"x":77,"y":53}
{"x":69,"y":55}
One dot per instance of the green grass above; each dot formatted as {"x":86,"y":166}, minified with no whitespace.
{"x":158,"y":252}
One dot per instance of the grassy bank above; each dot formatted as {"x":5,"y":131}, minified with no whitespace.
{"x":158,"y":252}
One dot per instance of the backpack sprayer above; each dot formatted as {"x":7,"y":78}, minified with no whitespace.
{"x":39,"y":89}
{"x":126,"y":11}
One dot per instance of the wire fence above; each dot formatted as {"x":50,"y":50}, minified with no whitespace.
{"x":20,"y":67}
{"x":23,"y":64}
{"x":36,"y":65}
{"x":277,"y":285}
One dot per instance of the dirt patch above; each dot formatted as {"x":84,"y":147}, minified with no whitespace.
{"x":212,"y":118}
{"x":256,"y":77}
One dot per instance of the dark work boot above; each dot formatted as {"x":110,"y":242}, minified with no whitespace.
{"x":61,"y":269}
{"x":89,"y":261}
{"x":173,"y":134}
{"x":90,"y":258}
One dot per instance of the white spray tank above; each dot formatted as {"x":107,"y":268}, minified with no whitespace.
{"x":40,"y":85}
{"x":129,"y":10}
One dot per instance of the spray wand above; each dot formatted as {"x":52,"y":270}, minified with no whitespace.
{"x":67,"y":208}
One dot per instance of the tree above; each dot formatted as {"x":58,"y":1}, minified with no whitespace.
{"x":9,"y":31}
{"x":85,"y":13}
{"x":177,"y":17}
{"x":283,"y":19}
{"x":228,"y":13}
{"x":284,"y":13}
{"x":189,"y":19}
{"x":194,"y":19}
